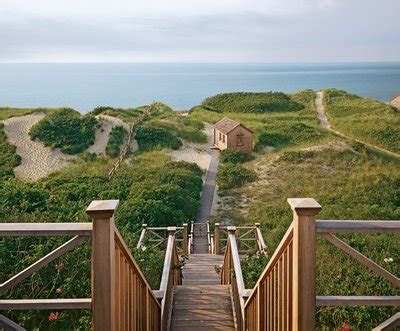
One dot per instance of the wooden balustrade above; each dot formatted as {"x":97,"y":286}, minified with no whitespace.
{"x":121,"y":297}
{"x":171,"y":276}
{"x":249,"y":239}
{"x":284,"y":296}
{"x":158,"y":237}
{"x":232,"y":274}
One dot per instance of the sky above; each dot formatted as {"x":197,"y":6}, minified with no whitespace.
{"x":259,"y":31}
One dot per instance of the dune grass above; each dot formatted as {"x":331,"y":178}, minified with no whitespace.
{"x":364,"y":119}
{"x":117,"y":137}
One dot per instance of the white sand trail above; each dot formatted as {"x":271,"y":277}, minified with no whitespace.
{"x":37,"y":161}
{"x":102,"y":134}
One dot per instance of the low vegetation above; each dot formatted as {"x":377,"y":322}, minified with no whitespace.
{"x":65,"y":129}
{"x":117,"y":137}
{"x":156,"y":137}
{"x":248,"y":102}
{"x":231,"y":173}
{"x":9,"y":159}
{"x":6,"y":112}
{"x":364,"y":119}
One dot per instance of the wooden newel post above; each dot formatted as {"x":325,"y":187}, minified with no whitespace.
{"x":103,"y":264}
{"x":185,"y":238}
{"x":304,"y":262}
{"x":216,"y":238}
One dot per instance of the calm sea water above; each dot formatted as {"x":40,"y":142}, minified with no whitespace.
{"x":85,"y":86}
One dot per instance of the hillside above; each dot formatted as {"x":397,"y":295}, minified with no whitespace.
{"x":293,"y":157}
{"x":350,"y":182}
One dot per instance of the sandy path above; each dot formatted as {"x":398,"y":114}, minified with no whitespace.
{"x":195,"y":152}
{"x":325,"y":124}
{"x":37,"y":161}
{"x":102,"y":134}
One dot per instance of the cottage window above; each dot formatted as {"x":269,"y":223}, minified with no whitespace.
{"x":239,"y":140}
{"x":220,"y":136}
{"x":223,"y":138}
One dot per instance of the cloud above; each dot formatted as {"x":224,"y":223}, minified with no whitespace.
{"x":227,"y":31}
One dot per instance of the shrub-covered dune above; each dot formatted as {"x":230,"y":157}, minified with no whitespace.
{"x":248,"y":102}
{"x":66,"y":129}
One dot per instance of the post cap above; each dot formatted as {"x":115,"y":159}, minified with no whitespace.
{"x":257,"y":224}
{"x":144,"y":225}
{"x":308,"y":205}
{"x":102,"y":208}
{"x":171,"y":229}
{"x":231,"y":229}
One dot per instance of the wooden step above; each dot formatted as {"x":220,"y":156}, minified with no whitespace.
{"x":202,"y":307}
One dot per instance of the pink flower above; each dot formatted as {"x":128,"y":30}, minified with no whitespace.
{"x":61,"y":266}
{"x":58,"y":290}
{"x":345,"y":327}
{"x":53,"y":316}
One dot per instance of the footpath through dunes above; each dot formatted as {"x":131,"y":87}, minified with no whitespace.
{"x":319,"y":106}
{"x":102,"y":135}
{"x":37,"y":161}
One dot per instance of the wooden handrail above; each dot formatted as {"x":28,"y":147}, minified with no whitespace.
{"x":332,"y":226}
{"x":171,"y":276}
{"x":260,"y":239}
{"x":390,"y":324}
{"x":232,"y":275}
{"x":45,"y":229}
{"x":121,"y":297}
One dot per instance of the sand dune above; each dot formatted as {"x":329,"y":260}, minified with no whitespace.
{"x":37,"y":161}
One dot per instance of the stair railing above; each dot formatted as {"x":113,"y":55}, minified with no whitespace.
{"x":158,"y":237}
{"x":232,"y":275}
{"x":171,"y":276}
{"x":121,"y":297}
{"x":284,"y":296}
{"x":209,"y":238}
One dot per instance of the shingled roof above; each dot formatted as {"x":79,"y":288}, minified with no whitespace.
{"x":226,"y":125}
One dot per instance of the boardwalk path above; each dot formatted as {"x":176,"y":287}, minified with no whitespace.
{"x":207,"y":194}
{"x":325,"y":124}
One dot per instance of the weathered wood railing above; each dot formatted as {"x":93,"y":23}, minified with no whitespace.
{"x":171,"y":276}
{"x":158,"y":237}
{"x":284,"y":297}
{"x":128,"y":141}
{"x":121,"y":298}
{"x":190,"y":238}
{"x":249,"y":239}
{"x":232,"y":274}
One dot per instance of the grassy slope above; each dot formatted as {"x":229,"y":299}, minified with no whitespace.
{"x":348,"y":184}
{"x":365,"y":119}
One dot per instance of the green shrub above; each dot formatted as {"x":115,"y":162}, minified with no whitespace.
{"x":231,"y":156}
{"x":9,"y":159}
{"x":253,"y":265}
{"x":234,"y":175}
{"x":117,"y":137}
{"x":152,"y":137}
{"x":65,"y":129}
{"x":247,"y":102}
{"x":125,"y":114}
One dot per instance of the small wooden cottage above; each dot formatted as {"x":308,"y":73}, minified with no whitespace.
{"x":395,"y":102}
{"x":231,"y":134}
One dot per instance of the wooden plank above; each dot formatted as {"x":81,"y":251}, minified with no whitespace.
{"x":358,"y":300}
{"x":43,"y":304}
{"x":69,"y":245}
{"x":9,"y":325}
{"x":357,"y":226}
{"x":362,"y":259}
{"x":390,"y":324}
{"x":45,"y":229}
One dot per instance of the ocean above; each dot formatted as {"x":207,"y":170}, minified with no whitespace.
{"x":84,"y":86}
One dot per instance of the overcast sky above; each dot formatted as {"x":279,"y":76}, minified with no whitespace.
{"x":199,"y":31}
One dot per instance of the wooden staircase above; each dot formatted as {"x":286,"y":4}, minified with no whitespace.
{"x":201,"y":302}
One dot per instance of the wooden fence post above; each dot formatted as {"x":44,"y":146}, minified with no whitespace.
{"x":103,"y":264}
{"x":216,"y":238}
{"x":185,"y":238}
{"x":304,"y":262}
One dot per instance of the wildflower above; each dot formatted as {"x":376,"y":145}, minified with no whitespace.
{"x":144,"y":248}
{"x":53,"y":316}
{"x":58,"y":290}
{"x":345,"y":327}
{"x":60,"y":266}
{"x":388,"y":260}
